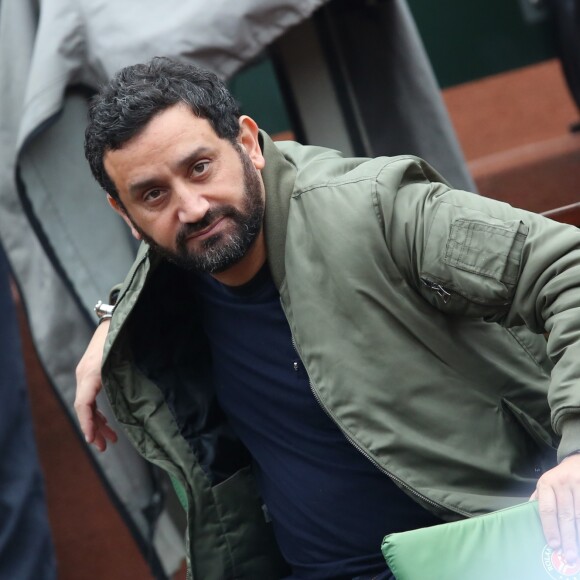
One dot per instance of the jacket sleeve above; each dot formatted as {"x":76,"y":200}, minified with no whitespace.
{"x":474,"y":256}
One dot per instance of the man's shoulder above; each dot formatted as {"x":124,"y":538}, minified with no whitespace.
{"x":321,"y":166}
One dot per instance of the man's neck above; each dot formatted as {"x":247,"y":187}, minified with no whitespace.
{"x":247,"y":267}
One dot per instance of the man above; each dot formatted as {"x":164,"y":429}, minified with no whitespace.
{"x":333,"y":345}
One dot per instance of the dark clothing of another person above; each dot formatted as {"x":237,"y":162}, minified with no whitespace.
{"x":26,"y":551}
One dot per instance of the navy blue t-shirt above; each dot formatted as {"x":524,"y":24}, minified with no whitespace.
{"x":330,"y":506}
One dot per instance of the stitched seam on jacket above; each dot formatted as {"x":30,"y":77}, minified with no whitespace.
{"x":332,"y":184}
{"x":373,"y":177}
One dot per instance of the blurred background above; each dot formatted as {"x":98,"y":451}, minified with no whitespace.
{"x":486,"y":91}
{"x":499,"y":65}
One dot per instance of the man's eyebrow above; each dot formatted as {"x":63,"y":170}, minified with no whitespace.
{"x":137,"y":186}
{"x":196,"y":154}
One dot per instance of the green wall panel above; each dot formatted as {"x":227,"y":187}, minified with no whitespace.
{"x":465,"y":40}
{"x":257,"y":91}
{"x":470,"y":39}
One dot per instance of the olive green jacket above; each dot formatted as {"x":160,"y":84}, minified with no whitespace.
{"x":407,"y":302}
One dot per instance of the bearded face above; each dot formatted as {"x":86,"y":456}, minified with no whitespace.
{"x":217,"y":252}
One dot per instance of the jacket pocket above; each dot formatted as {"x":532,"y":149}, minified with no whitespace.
{"x":471,"y":261}
{"x":486,"y":249}
{"x":245,"y":526}
{"x":545,"y":444}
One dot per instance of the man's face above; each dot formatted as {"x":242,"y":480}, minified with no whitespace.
{"x":195,"y":198}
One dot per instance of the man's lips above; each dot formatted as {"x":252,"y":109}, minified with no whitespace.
{"x":206,"y":231}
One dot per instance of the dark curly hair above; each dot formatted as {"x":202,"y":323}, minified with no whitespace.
{"x":137,"y":93}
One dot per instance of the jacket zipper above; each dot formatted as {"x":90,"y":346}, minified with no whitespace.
{"x":360,"y":449}
{"x":446,"y":295}
{"x":438,"y":289}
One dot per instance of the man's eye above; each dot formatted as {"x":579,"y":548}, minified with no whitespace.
{"x":152,"y":195}
{"x":200,"y":168}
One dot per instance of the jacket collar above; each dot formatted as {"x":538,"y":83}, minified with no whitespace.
{"x":279,"y":176}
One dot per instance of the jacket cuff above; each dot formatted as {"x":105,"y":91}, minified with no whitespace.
{"x":570,"y":442}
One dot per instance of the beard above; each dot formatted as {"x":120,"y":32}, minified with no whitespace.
{"x":222,"y":250}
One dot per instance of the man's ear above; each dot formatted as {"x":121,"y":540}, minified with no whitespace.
{"x":248,"y":139}
{"x":120,"y":210}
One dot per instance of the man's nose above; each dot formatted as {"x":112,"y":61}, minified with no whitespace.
{"x":191,"y":205}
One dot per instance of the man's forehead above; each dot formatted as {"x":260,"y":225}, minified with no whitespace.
{"x":167,"y":129}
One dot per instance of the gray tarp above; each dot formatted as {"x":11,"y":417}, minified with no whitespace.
{"x":65,"y":246}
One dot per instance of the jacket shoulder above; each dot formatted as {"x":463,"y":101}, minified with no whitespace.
{"x":321,"y":167}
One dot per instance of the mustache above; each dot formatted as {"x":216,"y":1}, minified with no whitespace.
{"x":209,"y":218}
